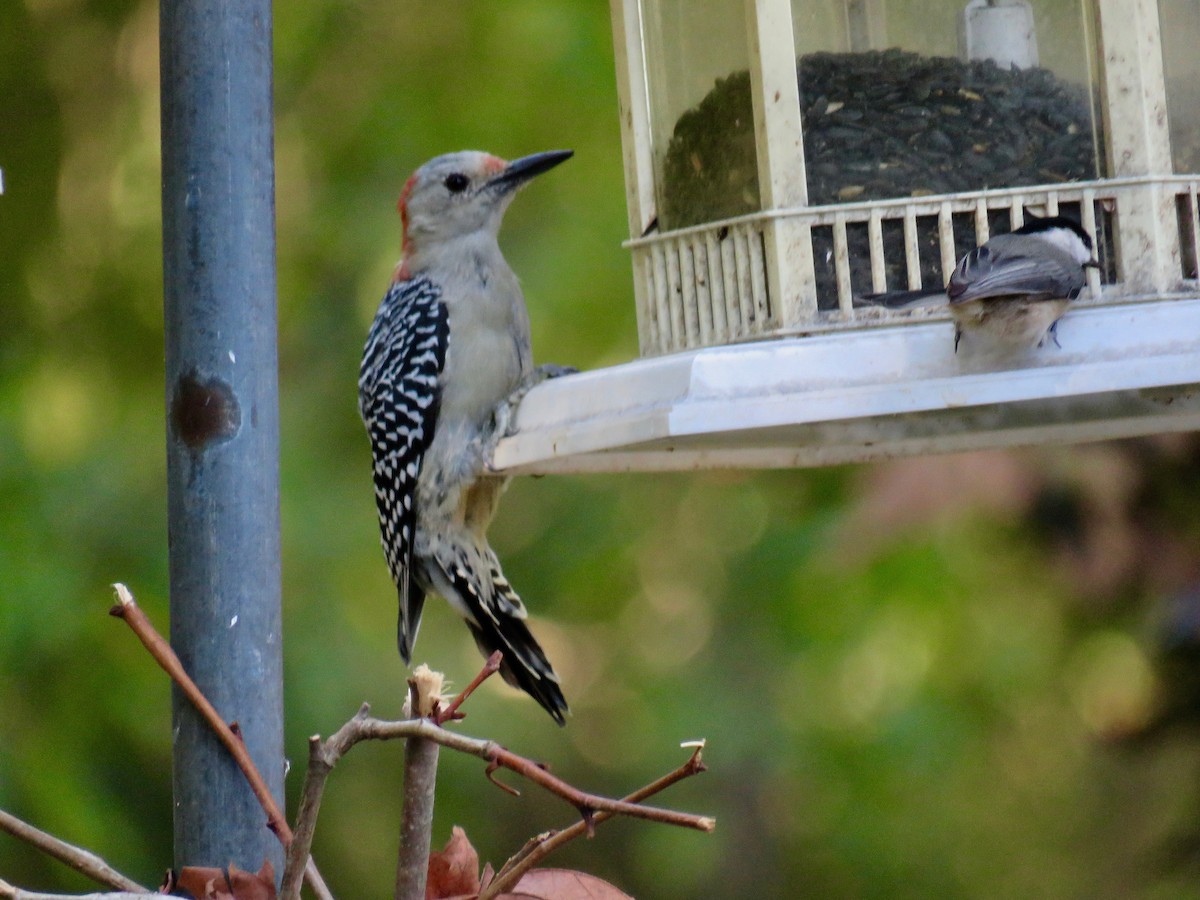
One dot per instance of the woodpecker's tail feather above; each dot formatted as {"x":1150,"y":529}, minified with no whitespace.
{"x":412,"y":602}
{"x":905,"y":299}
{"x":496,"y":617}
{"x":524,"y":664}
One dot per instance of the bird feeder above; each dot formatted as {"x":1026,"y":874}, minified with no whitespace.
{"x":783,"y":158}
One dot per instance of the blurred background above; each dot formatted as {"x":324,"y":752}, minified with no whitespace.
{"x":970,"y":676}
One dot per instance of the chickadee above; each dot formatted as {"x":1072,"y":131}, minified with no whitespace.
{"x":1015,"y":287}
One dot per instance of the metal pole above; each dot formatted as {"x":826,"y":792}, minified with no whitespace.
{"x":222,"y":416}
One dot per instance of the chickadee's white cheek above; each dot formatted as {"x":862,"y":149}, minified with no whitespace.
{"x":1069,"y":242}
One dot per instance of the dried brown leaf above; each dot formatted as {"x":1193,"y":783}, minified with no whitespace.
{"x":201,"y":882}
{"x":453,"y":870}
{"x":564,"y":884}
{"x":258,"y":885}
{"x":210,"y":883}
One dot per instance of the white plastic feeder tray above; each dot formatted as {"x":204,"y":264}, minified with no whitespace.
{"x":852,"y":396}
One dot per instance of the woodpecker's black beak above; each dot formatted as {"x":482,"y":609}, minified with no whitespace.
{"x":521,"y":170}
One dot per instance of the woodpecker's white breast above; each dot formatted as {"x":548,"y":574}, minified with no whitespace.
{"x":489,"y":345}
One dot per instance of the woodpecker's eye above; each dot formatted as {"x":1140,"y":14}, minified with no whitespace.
{"x":456,"y":182}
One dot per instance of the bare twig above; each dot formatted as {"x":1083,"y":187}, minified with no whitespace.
{"x":324,"y":756}
{"x":420,"y":783}
{"x":83,"y":861}
{"x":364,"y":728}
{"x":538,"y":848}
{"x":313,"y":877}
{"x":424,"y":698}
{"x":306,"y":820}
{"x":490,"y":668}
{"x":416,"y":822}
{"x":9,"y":892}
{"x":128,"y":610}
{"x":590,"y":804}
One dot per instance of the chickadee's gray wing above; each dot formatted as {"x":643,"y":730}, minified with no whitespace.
{"x":984,"y":273}
{"x":904,"y":299}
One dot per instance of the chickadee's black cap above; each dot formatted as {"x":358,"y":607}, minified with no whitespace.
{"x":1038,"y":224}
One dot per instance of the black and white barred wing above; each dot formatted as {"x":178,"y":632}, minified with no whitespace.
{"x":398,"y":398}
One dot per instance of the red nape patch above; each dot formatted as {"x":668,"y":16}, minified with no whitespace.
{"x":401,"y":272}
{"x":405,"y":241}
{"x":402,"y":203}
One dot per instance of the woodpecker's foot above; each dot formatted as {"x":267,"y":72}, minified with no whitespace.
{"x":503,"y":417}
{"x":550,"y":370}
{"x":506,"y":410}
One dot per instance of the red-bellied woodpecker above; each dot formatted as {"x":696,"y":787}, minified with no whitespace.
{"x":447,"y":353}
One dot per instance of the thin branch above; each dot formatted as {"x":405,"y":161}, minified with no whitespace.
{"x":83,"y":861}
{"x":490,"y":668}
{"x":313,"y":877}
{"x":377,"y":729}
{"x":420,"y":784}
{"x":425,"y":698}
{"x":9,"y":892}
{"x":127,"y":610}
{"x":588,"y":804}
{"x":538,"y":848}
{"x":416,"y":823}
{"x":306,"y":820}
{"x":324,"y":756}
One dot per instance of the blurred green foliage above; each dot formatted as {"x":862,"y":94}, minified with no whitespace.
{"x":932,"y":678}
